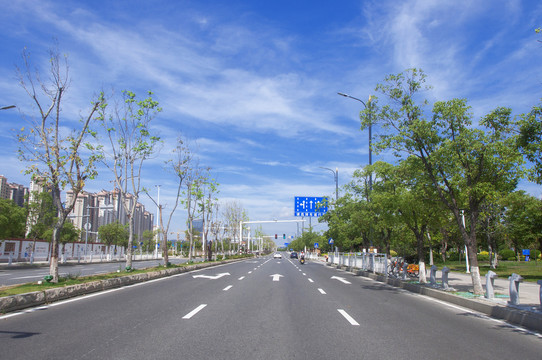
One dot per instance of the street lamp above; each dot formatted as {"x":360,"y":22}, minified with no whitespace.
{"x":336,"y":176}
{"x":7,"y":107}
{"x":368,"y":105}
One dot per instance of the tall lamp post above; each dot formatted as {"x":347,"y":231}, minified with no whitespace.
{"x":336,"y":176}
{"x":7,"y":107}
{"x":368,"y":105}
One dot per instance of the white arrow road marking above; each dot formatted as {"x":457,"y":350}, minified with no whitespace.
{"x":348,"y":317}
{"x":322,"y":291}
{"x":341,"y":280}
{"x":210,"y":276}
{"x":227,"y":288}
{"x":276,"y":277}
{"x":194,"y":312}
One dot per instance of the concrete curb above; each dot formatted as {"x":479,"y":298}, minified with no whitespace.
{"x":529,"y":320}
{"x":37,"y":298}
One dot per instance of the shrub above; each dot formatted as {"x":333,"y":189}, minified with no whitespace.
{"x":452,"y":256}
{"x":393,"y":253}
{"x":507,"y":254}
{"x":219,"y":257}
{"x":483,"y":256}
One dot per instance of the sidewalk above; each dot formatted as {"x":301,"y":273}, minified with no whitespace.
{"x":529,"y":292}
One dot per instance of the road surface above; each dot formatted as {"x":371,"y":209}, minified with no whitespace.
{"x":260,"y":309}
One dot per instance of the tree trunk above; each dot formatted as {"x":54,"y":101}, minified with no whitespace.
{"x":474,"y":269}
{"x":53,"y":262}
{"x":130,"y":242}
{"x":165,"y":254}
{"x":421,"y":256}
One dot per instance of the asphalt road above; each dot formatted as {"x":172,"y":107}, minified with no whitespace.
{"x":13,"y":275}
{"x":260,"y":309}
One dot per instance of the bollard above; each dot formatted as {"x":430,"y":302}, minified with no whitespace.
{"x":515,"y":279}
{"x":445,"y":271}
{"x":490,"y":280}
{"x":539,"y":282}
{"x":405,"y":271}
{"x":433,"y":276}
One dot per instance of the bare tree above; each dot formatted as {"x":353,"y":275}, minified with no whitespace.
{"x":180,"y":166}
{"x":233,"y":213}
{"x":54,"y":152}
{"x":130,"y":143}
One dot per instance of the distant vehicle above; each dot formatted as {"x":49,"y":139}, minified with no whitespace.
{"x":293,"y":255}
{"x":277,"y":256}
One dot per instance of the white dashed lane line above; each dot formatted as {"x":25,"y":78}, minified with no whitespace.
{"x":194,"y":312}
{"x":348,"y":317}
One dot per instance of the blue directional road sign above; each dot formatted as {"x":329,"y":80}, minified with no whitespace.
{"x":310,"y":206}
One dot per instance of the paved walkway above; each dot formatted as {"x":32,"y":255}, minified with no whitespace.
{"x":529,"y":292}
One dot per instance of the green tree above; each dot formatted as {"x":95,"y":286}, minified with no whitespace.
{"x":41,"y":214}
{"x":114,"y":234}
{"x":523,"y":221}
{"x":530,"y":141}
{"x":465,"y":164}
{"x":12,"y":220}
{"x":68,"y":234}
{"x":54,"y":155}
{"x":148,"y":240}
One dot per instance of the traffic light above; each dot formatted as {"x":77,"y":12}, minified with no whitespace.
{"x":284,"y":236}
{"x":275,"y":236}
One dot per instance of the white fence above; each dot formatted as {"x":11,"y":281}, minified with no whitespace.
{"x":21,"y":250}
{"x":376,"y":263}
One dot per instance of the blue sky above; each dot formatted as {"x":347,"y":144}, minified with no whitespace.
{"x":253,"y":84}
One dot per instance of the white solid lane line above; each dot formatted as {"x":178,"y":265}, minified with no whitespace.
{"x":194,"y":312}
{"x":348,"y":317}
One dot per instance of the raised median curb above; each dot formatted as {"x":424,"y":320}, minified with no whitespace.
{"x":37,"y":298}
{"x":528,"y":319}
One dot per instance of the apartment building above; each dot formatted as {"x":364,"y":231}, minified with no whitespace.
{"x":13,"y":191}
{"x":93,"y":210}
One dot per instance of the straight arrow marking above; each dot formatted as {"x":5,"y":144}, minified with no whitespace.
{"x":341,"y":280}
{"x":276,"y":277}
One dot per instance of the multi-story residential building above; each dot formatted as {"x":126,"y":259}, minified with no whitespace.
{"x":105,"y":208}
{"x":12,"y":191}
